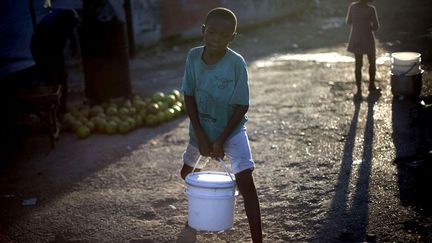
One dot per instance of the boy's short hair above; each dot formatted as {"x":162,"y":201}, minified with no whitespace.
{"x":223,"y":13}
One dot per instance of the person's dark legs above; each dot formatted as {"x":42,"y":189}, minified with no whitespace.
{"x":358,"y":71}
{"x":247,"y":189}
{"x":372,"y":71}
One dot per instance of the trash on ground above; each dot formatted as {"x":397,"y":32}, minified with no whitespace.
{"x":415,"y":163}
{"x":357,"y":162}
{"x":29,"y":201}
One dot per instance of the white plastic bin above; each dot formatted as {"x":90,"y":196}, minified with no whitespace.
{"x":211,"y":200}
{"x":405,"y":58}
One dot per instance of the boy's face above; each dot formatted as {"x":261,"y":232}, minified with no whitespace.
{"x":217,"y":34}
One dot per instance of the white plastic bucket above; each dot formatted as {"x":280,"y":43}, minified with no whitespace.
{"x":405,"y":58}
{"x":211,"y":200}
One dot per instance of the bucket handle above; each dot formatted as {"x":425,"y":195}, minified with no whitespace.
{"x":220,"y":162}
{"x":409,"y":70}
{"x":225,"y":168}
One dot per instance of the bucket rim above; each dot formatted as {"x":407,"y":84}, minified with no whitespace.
{"x":210,"y":179}
{"x":406,"y":52}
{"x":416,"y":55}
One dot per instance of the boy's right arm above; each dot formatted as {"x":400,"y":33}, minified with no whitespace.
{"x":204,"y":144}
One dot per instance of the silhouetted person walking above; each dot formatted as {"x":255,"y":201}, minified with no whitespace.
{"x":47,"y":47}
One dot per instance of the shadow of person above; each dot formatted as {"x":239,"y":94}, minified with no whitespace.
{"x":373,"y":97}
{"x":186,"y":235}
{"x":358,"y":213}
{"x":349,"y":219}
{"x":360,"y":204}
{"x":337,"y":217}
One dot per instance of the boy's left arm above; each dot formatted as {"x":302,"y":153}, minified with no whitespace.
{"x":236,"y":118}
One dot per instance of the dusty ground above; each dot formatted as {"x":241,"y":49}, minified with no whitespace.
{"x":325,"y":162}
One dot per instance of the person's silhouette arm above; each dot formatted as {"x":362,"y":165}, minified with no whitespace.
{"x":375,"y":22}
{"x":349,"y":18}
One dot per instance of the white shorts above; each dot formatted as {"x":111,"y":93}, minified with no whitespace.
{"x":237,"y":150}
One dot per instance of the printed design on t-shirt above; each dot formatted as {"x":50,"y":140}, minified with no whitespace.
{"x":205,"y":100}
{"x":222,"y":82}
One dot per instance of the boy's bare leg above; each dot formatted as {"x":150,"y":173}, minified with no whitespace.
{"x":186,"y":170}
{"x":247,"y":188}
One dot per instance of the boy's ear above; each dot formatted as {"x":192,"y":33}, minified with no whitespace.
{"x":203,"y":28}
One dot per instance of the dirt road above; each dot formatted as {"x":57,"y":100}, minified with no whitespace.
{"x":325,"y":162}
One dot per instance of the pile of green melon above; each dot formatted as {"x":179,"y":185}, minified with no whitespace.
{"x":124,"y":115}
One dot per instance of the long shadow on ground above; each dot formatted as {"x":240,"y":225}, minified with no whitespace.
{"x":349,"y":218}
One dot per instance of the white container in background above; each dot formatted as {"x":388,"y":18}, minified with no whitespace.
{"x":406,"y":63}
{"x":405,"y":58}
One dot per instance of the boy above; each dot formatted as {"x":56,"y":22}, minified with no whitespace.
{"x":215,"y":86}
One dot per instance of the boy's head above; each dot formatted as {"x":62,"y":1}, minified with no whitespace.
{"x":224,"y":14}
{"x":219,"y":29}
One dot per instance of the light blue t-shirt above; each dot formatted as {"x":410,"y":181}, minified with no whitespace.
{"x":217,"y":89}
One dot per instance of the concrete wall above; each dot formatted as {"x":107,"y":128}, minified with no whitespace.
{"x":251,"y":12}
{"x":146,"y":22}
{"x":153,"y":20}
{"x":159,"y":19}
